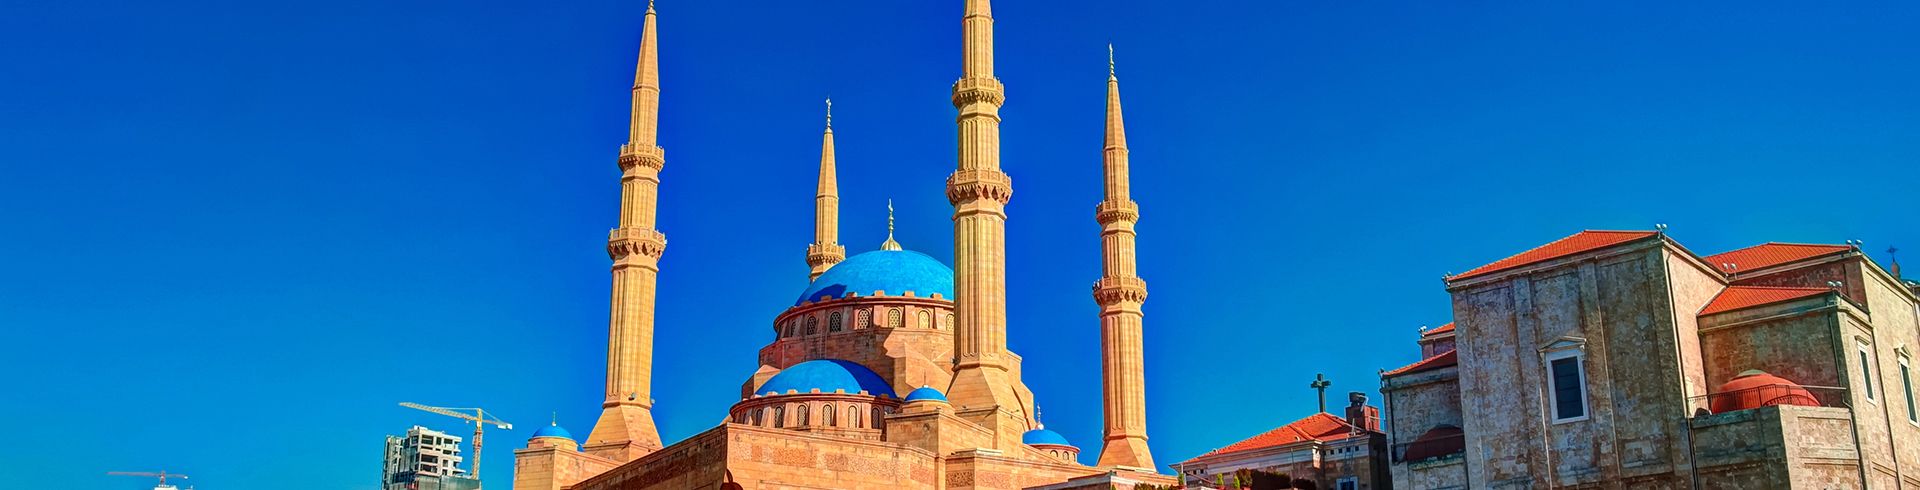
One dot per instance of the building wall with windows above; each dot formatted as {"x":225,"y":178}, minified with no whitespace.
{"x":424,"y":458}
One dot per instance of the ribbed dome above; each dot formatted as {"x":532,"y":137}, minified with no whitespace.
{"x":553,"y":431}
{"x":828,"y":376}
{"x":1043,"y":436}
{"x":1755,"y":389}
{"x":892,"y":271}
{"x":926,"y":393}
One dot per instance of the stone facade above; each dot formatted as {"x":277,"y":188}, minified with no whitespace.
{"x":1596,"y":361}
{"x":823,"y":409}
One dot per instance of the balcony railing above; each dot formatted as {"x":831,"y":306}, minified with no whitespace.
{"x":1776,"y":394}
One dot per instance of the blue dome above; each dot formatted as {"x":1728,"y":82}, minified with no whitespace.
{"x":1044,"y":436}
{"x":926,"y":393}
{"x":552,"y":431}
{"x":827,"y":375}
{"x":892,"y":271}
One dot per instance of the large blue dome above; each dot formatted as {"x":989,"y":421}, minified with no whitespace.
{"x":1044,"y":436}
{"x":892,"y":271}
{"x":828,"y":376}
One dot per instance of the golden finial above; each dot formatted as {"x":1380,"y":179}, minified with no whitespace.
{"x":829,"y":113}
{"x":556,"y":419}
{"x":1110,"y":60}
{"x":649,"y":6}
{"x":890,"y":244}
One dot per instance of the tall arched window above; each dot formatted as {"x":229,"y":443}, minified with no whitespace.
{"x":878,"y":421}
{"x":926,"y":319}
{"x":800,"y":416}
{"x":790,"y":324}
{"x":862,"y":318}
{"x":813,"y":324}
{"x":853,"y":416}
{"x":779,"y":417}
{"x":833,"y":322}
{"x":759,"y":417}
{"x":949,"y":323}
{"x":826,"y":413}
{"x":893,"y":318}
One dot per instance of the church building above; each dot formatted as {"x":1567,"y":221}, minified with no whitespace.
{"x":890,"y":369}
{"x":1621,"y":359}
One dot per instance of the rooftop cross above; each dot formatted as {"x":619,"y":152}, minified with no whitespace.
{"x":1320,"y":384}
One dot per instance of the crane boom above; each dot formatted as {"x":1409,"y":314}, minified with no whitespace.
{"x":479,"y":417}
{"x":162,"y":475}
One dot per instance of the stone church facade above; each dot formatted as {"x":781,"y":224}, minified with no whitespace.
{"x":1624,"y":360}
{"x":886,"y":372}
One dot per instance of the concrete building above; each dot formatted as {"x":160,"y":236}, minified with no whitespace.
{"x":886,"y":371}
{"x":1335,"y":452}
{"x":425,"y":459}
{"x":1613,"y":359}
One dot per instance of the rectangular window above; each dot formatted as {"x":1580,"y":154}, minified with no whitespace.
{"x":1349,"y":484}
{"x":1906,"y":382}
{"x":1567,"y":385}
{"x":1866,"y":371}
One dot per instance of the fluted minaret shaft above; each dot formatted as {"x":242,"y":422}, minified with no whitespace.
{"x":984,"y":372}
{"x":626,"y":429}
{"x":1120,"y":293}
{"x":825,"y":251}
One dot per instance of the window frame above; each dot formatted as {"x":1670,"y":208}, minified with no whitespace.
{"x":1579,"y":357}
{"x":1906,"y":383}
{"x":1866,"y":369}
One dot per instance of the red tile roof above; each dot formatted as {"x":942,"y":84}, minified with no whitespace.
{"x":1323,"y":427}
{"x":1580,"y":242}
{"x":1771,"y":254}
{"x":1743,"y":297}
{"x":1448,"y":328}
{"x":1448,"y":359}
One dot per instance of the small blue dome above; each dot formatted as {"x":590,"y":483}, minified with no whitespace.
{"x":926,"y":393}
{"x":1044,"y":436}
{"x":892,"y":271}
{"x":827,"y":375}
{"x":552,"y":431}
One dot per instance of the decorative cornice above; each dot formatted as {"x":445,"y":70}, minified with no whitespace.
{"x":1108,"y":212}
{"x":979,"y":89}
{"x":649,"y":156}
{"x":1111,"y":290}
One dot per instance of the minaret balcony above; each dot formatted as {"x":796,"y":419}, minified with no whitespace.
{"x":650,"y":156}
{"x":970,"y":185}
{"x":622,"y":242}
{"x":978,"y":89}
{"x":1108,"y":212}
{"x":1110,"y":290}
{"x":820,"y":253}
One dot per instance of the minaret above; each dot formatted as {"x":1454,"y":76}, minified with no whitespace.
{"x":825,"y":249}
{"x":1120,"y":292}
{"x":625,"y":430}
{"x":984,"y":373}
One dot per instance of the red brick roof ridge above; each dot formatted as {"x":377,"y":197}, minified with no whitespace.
{"x":1332,"y":427}
{"x":1515,"y":260}
{"x":1760,"y":253}
{"x":1445,"y":359}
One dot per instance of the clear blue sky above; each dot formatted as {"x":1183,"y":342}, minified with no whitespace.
{"x":236,"y":233}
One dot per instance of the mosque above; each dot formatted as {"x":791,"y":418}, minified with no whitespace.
{"x":890,"y":370}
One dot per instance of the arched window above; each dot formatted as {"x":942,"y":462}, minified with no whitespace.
{"x":759,"y":417}
{"x":826,"y":413}
{"x":800,"y":416}
{"x":893,"y":318}
{"x":949,"y":323}
{"x":862,"y":318}
{"x":853,"y":416}
{"x":790,"y":324}
{"x":813,"y":324}
{"x":878,"y":421}
{"x":779,"y":417}
{"x":833,"y":322}
{"x":926,"y":319}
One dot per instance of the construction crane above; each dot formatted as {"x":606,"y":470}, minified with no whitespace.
{"x":479,"y":418}
{"x":162,"y":475}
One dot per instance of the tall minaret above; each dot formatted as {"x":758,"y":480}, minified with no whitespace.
{"x":825,"y":249}
{"x":1120,"y":292}
{"x":625,"y":430}
{"x":983,"y":372}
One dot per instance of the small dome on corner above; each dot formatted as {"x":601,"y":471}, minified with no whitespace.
{"x":926,"y":393}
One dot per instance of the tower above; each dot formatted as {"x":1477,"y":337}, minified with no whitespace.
{"x":825,"y":249}
{"x":1120,"y":292}
{"x":986,"y":381}
{"x":625,"y":430}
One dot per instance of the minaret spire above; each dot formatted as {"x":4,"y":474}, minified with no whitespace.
{"x":986,"y":385}
{"x":626,"y":430}
{"x":825,"y":251}
{"x":1120,"y":292}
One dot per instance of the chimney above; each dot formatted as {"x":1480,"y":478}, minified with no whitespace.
{"x":1360,"y":415}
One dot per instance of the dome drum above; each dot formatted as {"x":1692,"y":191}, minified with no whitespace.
{"x":838,"y":414}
